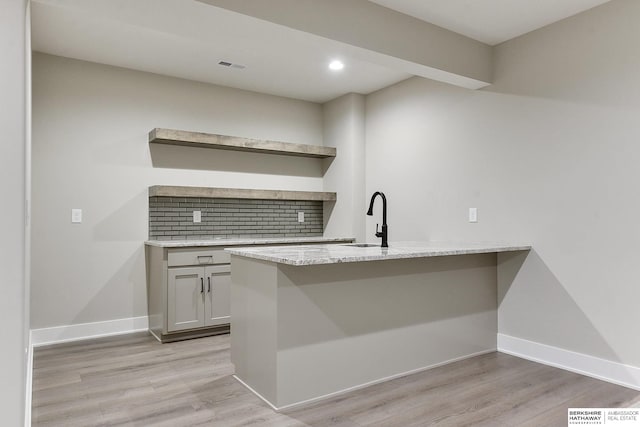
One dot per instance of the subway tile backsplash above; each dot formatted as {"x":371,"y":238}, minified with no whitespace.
{"x":171,"y":218}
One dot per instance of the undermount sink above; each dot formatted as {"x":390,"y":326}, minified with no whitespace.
{"x":362,"y":245}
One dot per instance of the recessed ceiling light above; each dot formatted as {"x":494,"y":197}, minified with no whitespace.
{"x":336,"y":65}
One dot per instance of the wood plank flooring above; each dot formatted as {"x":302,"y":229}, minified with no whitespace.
{"x":133,"y":380}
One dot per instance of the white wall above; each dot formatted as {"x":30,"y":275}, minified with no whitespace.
{"x":344,"y":121}
{"x":90,"y":151}
{"x":548,"y":154}
{"x":13,"y":118}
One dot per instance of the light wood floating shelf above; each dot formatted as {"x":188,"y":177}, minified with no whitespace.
{"x":224,"y":142}
{"x":238,"y":193}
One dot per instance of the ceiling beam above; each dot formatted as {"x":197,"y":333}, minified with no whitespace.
{"x":379,"y":35}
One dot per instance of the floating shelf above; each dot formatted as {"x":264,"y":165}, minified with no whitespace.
{"x":224,"y":142}
{"x":238,"y":193}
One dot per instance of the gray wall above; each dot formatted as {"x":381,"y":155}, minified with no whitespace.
{"x":548,"y":154}
{"x":90,"y":147}
{"x":13,"y":190}
{"x":344,"y":121}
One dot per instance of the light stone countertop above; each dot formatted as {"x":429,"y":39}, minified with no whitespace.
{"x":339,"y":253}
{"x":247,"y":241}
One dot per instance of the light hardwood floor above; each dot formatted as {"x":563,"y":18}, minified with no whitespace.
{"x":134,"y":380}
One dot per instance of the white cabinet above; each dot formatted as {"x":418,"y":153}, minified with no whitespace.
{"x":188,"y":292}
{"x":217,"y":304}
{"x":186,"y":299}
{"x":198,"y":297}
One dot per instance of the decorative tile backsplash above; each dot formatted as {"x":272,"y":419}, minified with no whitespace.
{"x":171,"y":218}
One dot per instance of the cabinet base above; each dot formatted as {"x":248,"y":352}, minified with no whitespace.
{"x":187,"y":335}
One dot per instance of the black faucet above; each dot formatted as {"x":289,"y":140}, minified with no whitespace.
{"x":383,"y":233}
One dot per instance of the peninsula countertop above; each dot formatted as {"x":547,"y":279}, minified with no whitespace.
{"x":342,"y":253}
{"x":246,"y":241}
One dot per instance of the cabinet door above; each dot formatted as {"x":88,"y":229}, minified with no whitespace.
{"x":218,"y":295}
{"x":185,"y":301}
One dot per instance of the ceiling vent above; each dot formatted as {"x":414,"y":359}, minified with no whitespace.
{"x":231,"y":65}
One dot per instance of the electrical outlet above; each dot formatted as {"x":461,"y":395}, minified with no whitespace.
{"x":300,"y":216}
{"x":76,"y":216}
{"x":197,"y":216}
{"x":473,"y":214}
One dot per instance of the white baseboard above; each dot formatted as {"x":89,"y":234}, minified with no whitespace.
{"x":602,"y":369}
{"x":83,"y":331}
{"x":29,"y":383}
{"x":252,"y":390}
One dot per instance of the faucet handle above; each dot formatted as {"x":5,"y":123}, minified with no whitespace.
{"x":377,"y":228}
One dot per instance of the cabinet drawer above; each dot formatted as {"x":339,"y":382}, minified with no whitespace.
{"x":180,"y":257}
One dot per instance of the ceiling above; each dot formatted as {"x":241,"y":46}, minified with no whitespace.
{"x":490,"y":21}
{"x":187,"y":39}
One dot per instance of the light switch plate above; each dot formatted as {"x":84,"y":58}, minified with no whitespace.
{"x":473,"y":214}
{"x":300,"y":216}
{"x":197,"y":216}
{"x":76,"y":216}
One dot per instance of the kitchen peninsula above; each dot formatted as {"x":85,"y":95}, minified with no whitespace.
{"x":312,"y":321}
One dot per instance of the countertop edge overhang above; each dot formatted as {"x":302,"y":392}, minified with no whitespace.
{"x":246,"y":242}
{"x":340,"y":253}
